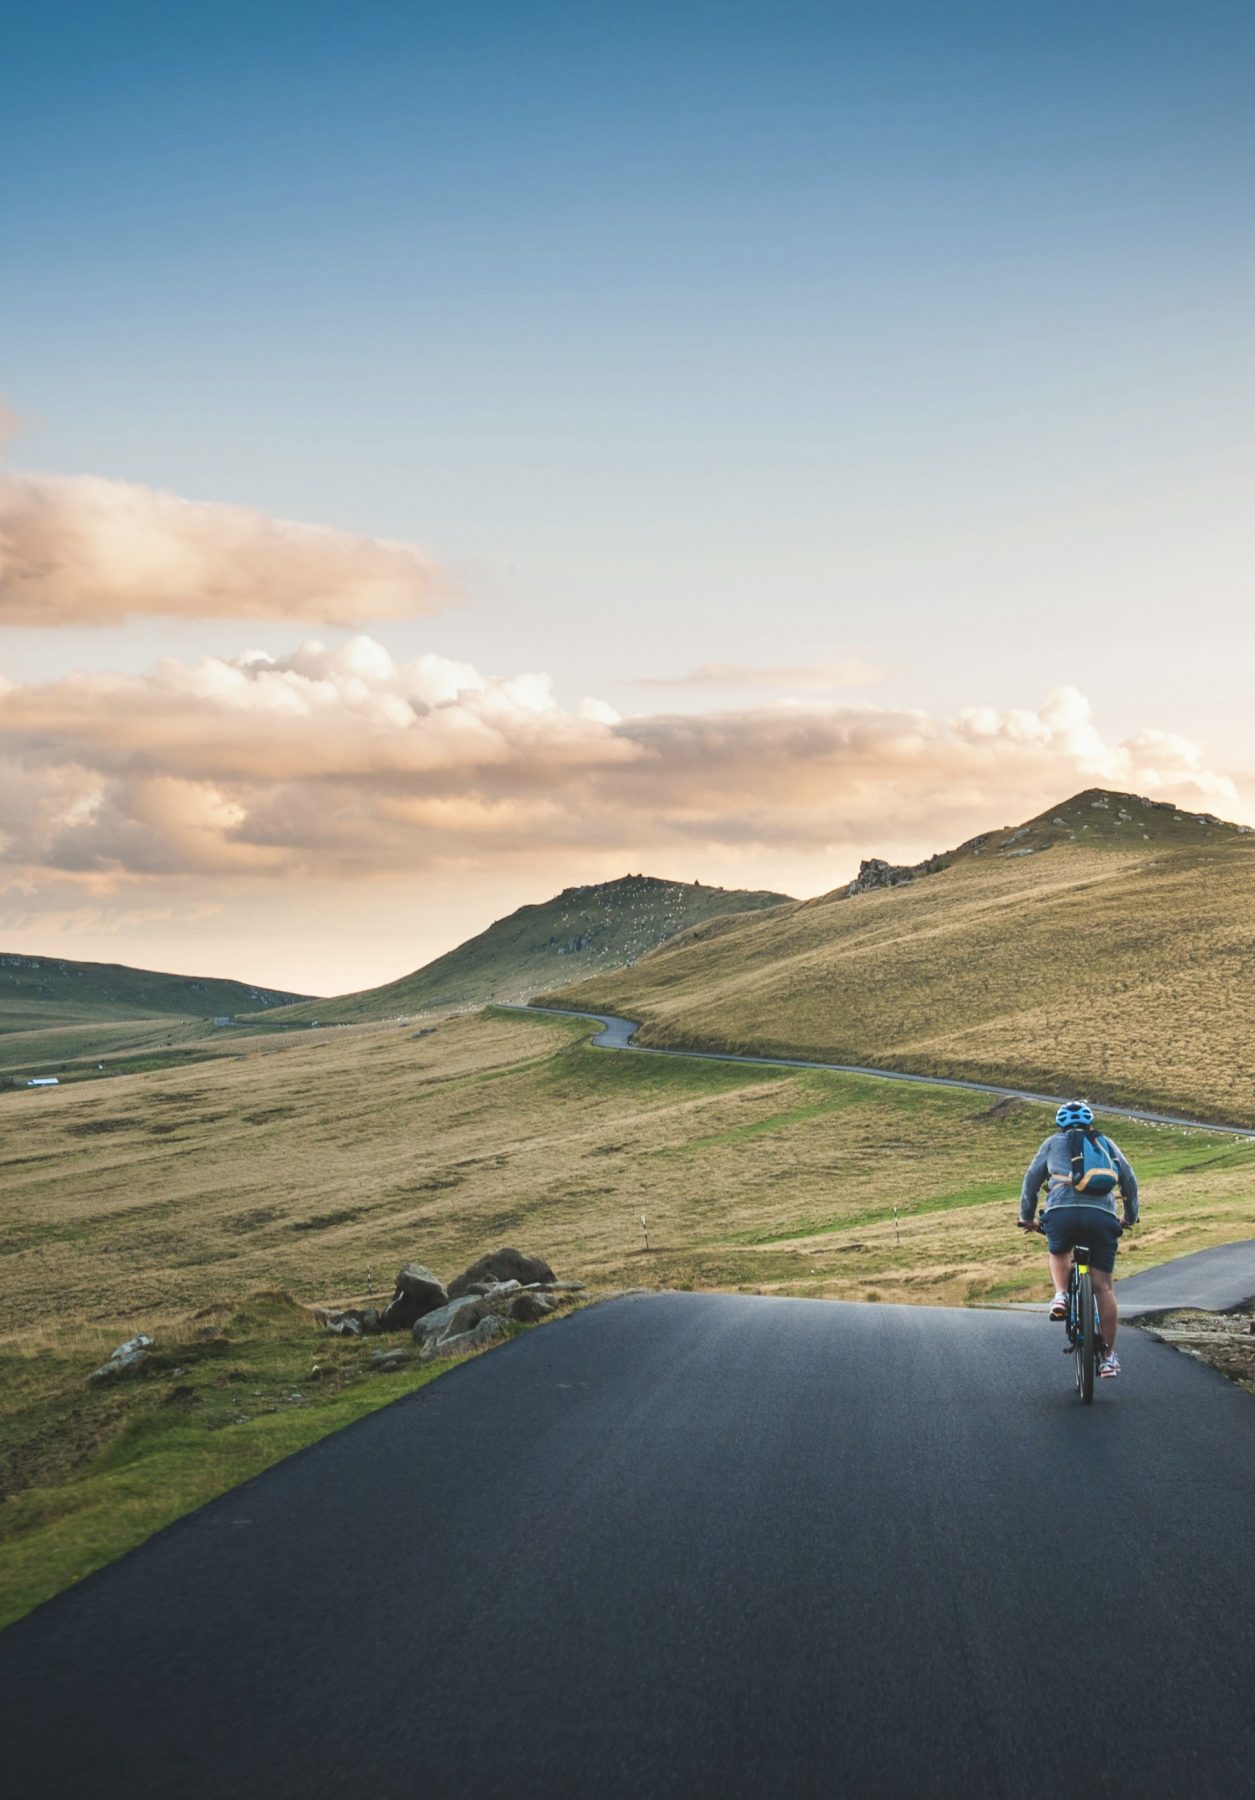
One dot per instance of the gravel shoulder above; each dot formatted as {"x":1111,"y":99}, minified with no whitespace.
{"x":1224,"y":1341}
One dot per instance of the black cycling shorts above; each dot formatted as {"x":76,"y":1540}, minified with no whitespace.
{"x":1067,"y":1226}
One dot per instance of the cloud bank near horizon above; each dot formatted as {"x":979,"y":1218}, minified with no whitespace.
{"x":82,"y":550}
{"x":341,"y":763}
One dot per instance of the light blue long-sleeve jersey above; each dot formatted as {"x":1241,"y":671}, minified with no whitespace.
{"x":1053,"y":1162}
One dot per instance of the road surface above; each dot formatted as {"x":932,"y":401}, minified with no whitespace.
{"x":620,"y":1034}
{"x":1213,"y":1280}
{"x":692,"y":1545}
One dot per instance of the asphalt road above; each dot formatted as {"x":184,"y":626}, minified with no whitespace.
{"x":1214,"y":1280}
{"x":692,"y":1545}
{"x":620,"y":1034}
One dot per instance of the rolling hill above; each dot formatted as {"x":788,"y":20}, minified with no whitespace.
{"x":1107,"y":947}
{"x":39,"y":991}
{"x":582,"y":930}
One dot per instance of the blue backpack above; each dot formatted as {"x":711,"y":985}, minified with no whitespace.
{"x":1093,"y":1163}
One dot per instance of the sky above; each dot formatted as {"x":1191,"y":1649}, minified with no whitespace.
{"x":452,"y":454}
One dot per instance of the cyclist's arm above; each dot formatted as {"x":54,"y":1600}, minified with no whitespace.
{"x":1128,"y":1184}
{"x":1033,"y":1179}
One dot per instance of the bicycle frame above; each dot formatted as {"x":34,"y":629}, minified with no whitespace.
{"x":1085,"y":1338}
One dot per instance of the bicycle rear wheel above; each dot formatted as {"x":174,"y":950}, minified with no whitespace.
{"x":1087,"y":1337}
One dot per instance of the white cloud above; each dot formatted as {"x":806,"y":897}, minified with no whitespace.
{"x":340,"y":761}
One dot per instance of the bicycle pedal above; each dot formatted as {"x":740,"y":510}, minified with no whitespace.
{"x":1068,"y":1349}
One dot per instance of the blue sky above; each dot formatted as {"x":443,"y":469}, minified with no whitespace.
{"x":679,"y":335}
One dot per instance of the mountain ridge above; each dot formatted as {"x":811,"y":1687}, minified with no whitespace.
{"x":605,"y":924}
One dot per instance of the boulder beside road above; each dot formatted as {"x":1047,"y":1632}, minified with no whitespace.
{"x":503,"y":1288}
{"x":418,"y":1292}
{"x":499,"y":1266}
{"x":487,"y":1331}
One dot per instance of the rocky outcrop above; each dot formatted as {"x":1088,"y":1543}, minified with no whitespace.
{"x":499,"y":1266}
{"x":874,"y":872}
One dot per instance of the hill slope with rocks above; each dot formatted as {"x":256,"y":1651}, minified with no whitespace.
{"x":1106,"y":946}
{"x":583,"y":930}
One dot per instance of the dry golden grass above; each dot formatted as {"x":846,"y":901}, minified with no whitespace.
{"x":1125,"y":973}
{"x":309,"y":1161}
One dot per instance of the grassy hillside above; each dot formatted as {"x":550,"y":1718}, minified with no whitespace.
{"x":41,"y":991}
{"x":305,"y":1160}
{"x":192,"y":1202}
{"x":1107,"y":947}
{"x":583,"y":929}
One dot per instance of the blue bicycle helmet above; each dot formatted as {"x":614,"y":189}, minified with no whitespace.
{"x":1073,"y":1113}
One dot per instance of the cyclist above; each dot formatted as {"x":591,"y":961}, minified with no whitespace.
{"x":1071,"y":1216}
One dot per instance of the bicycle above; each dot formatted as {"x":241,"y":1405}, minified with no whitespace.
{"x":1086,"y":1344}
{"x":1085,"y":1339}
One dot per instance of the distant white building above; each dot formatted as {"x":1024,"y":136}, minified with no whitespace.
{"x":43,"y":1081}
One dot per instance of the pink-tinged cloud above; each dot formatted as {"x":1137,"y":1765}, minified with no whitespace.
{"x":80,"y":550}
{"x":343,"y":763}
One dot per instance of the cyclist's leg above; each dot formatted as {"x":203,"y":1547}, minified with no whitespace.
{"x":1108,"y":1312}
{"x":1060,"y":1269}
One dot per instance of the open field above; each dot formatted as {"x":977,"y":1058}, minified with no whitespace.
{"x":305,"y":1160}
{"x":1123,"y":972}
{"x":88,"y":1051}
{"x":307,"y":1166}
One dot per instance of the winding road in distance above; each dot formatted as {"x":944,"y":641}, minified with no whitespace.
{"x":1216,"y":1280}
{"x":690,"y":1545}
{"x":620,"y":1034}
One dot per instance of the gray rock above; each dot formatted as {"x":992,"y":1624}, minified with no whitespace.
{"x":385,"y":1361}
{"x":501,"y":1265}
{"x":488,"y":1330}
{"x":418,"y":1292}
{"x":352,"y":1322}
{"x":121,"y":1366}
{"x":456,"y":1316}
{"x":526,"y":1308}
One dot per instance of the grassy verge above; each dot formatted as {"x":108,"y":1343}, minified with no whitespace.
{"x":89,"y":1473}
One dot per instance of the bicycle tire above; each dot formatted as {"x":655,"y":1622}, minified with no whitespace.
{"x":1086,"y":1343}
